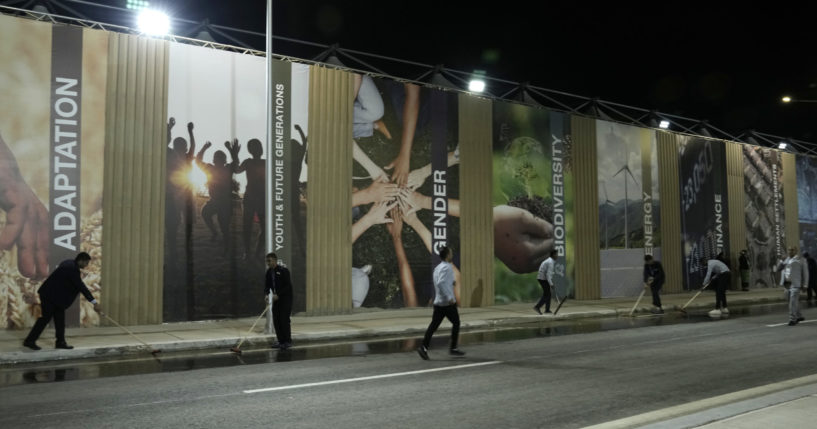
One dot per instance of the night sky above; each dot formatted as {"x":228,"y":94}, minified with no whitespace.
{"x":725,"y":64}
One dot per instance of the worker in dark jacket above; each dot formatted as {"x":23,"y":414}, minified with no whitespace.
{"x":654,"y":278}
{"x":57,"y":293}
{"x":812,"y":275}
{"x":278,"y":283}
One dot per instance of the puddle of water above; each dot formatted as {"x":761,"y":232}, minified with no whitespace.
{"x":89,"y":369}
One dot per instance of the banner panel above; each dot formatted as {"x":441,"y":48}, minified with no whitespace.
{"x":215,"y":215}
{"x":764,"y":213}
{"x":47,"y":145}
{"x":629,"y":209}
{"x":807,"y":203}
{"x":533,"y":200}
{"x":405,"y":191}
{"x":704,"y":208}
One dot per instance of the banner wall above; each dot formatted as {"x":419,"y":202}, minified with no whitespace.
{"x":764,"y":213}
{"x":51,"y":159}
{"x":405,"y":191}
{"x":216,"y":192}
{"x":629,"y":209}
{"x":533,"y":200}
{"x":704,"y":208}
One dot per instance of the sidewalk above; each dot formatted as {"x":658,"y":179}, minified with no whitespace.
{"x":111,"y":341}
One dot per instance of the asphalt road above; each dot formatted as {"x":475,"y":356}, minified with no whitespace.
{"x":565,"y":381}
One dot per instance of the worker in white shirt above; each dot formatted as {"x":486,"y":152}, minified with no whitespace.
{"x":794,"y":277}
{"x":545,"y":279}
{"x":445,"y":305}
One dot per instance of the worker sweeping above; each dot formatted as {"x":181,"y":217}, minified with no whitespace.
{"x":720,"y":271}
{"x":654,"y":278}
{"x":57,"y":293}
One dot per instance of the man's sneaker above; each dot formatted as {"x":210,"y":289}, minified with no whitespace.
{"x":32,"y":345}
{"x":537,"y":309}
{"x":725,"y":310}
{"x":800,"y":319}
{"x":548,"y":312}
{"x":63,"y":346}
{"x":423,"y":352}
{"x":276,"y":345}
{"x":456,"y":352}
{"x":792,"y":323}
{"x":284,"y":346}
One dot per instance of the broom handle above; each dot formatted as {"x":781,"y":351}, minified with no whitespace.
{"x":128,"y":331}
{"x":695,"y":296}
{"x":641,"y":295}
{"x":266,"y":308}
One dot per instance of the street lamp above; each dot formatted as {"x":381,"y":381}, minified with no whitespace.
{"x":787,"y":99}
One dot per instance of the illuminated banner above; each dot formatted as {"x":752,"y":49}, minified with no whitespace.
{"x":405,"y":191}
{"x":532,"y":199}
{"x":629,"y":209}
{"x":704,"y":208}
{"x":52,"y":139}
{"x":807,"y":203}
{"x":764,"y":215}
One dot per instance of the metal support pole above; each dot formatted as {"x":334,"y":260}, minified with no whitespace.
{"x":268,"y":230}
{"x":270,"y":329}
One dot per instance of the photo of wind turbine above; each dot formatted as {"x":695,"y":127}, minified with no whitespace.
{"x":627,"y":171}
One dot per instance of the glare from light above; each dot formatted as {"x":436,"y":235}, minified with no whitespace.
{"x":153,"y":22}
{"x":198,"y":179}
{"x":786,"y":99}
{"x":782,"y":146}
{"x":476,"y":85}
{"x":664,"y":124}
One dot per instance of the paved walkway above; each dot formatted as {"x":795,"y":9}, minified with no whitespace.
{"x":111,"y":341}
{"x":363,"y":323}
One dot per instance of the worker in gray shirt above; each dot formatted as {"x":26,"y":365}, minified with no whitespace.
{"x":717,"y":272}
{"x":793,"y":278}
{"x":445,"y":305}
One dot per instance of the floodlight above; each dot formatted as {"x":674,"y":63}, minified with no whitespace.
{"x":137,"y":4}
{"x":782,"y":146}
{"x":153,"y":22}
{"x":476,"y":85}
{"x":664,"y":124}
{"x":786,"y":99}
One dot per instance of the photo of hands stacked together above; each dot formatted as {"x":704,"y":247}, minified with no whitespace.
{"x":392,"y":196}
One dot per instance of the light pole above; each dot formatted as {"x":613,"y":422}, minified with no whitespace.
{"x":268,"y":218}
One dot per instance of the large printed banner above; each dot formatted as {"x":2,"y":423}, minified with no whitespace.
{"x":764,"y":213}
{"x":51,"y":160}
{"x":704,"y":208}
{"x":405,"y":191}
{"x":216,"y":214}
{"x":532,"y":198}
{"x":807,"y":203}
{"x":629,"y":213}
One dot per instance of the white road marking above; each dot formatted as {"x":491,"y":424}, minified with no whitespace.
{"x":785,"y":324}
{"x":371,"y":377}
